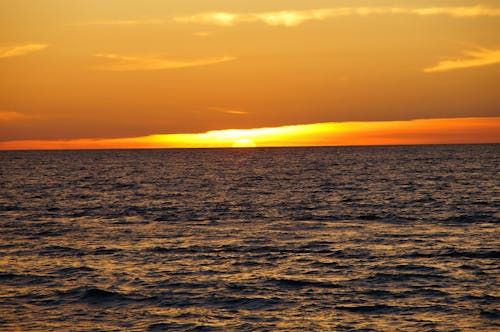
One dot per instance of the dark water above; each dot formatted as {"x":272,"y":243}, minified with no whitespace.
{"x":303,"y":239}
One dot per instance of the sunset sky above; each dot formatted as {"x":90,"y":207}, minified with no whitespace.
{"x":155,"y":73}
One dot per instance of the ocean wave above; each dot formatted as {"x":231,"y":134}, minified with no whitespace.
{"x":302,"y":283}
{"x":312,"y":239}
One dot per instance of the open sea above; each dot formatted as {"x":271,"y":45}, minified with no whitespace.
{"x":402,"y":238}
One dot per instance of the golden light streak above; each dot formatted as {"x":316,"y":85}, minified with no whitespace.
{"x":479,"y":58}
{"x":290,"y":18}
{"x":429,"y":131}
{"x":135,"y":63}
{"x":228,"y":110}
{"x":18,"y":50}
{"x":11,"y":116}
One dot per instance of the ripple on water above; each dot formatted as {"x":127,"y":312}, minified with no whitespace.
{"x":314,"y":239}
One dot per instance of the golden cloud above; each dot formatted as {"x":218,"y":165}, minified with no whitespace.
{"x":18,"y":50}
{"x":427,"y":131}
{"x":290,"y":18}
{"x":227,"y":110}
{"x":135,"y":63}
{"x":478,"y":58}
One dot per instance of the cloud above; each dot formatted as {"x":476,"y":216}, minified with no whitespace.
{"x":228,"y":110}
{"x":11,"y":116}
{"x":290,"y":18}
{"x":202,"y":34}
{"x":18,"y":50}
{"x":426,"y":131}
{"x":121,"y":22}
{"x":284,"y":18}
{"x":478,"y":58}
{"x":471,"y":11}
{"x":133,"y":63}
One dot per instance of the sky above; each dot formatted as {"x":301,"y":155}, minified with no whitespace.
{"x":155,"y":73}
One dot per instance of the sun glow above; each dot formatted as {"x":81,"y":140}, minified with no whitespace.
{"x":244,"y":143}
{"x":429,"y":131}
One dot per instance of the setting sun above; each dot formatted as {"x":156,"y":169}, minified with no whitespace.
{"x":244,"y":143}
{"x":425,"y":131}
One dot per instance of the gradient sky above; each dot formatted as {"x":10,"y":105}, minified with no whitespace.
{"x":99,"y":69}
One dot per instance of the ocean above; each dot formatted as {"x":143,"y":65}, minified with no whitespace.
{"x":396,"y":238}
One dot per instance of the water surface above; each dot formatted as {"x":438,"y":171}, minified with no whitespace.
{"x":291,"y":239}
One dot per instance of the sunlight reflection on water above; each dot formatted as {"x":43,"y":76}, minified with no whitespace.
{"x":395,"y":238}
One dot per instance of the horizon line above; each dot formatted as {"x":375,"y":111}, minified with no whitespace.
{"x":248,"y":148}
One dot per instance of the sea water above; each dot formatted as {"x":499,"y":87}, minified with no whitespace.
{"x":293,"y":239}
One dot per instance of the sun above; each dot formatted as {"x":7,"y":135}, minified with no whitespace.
{"x":244,"y":143}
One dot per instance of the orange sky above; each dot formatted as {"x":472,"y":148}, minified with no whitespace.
{"x":151,"y":73}
{"x":430,"y":131}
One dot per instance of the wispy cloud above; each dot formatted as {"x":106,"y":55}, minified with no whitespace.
{"x":290,"y":18}
{"x":134,"y":63}
{"x":202,"y":34}
{"x":470,"y":11}
{"x":478,"y":58}
{"x":227,"y":110}
{"x":18,"y":50}
{"x":12,"y":116}
{"x":121,"y":22}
